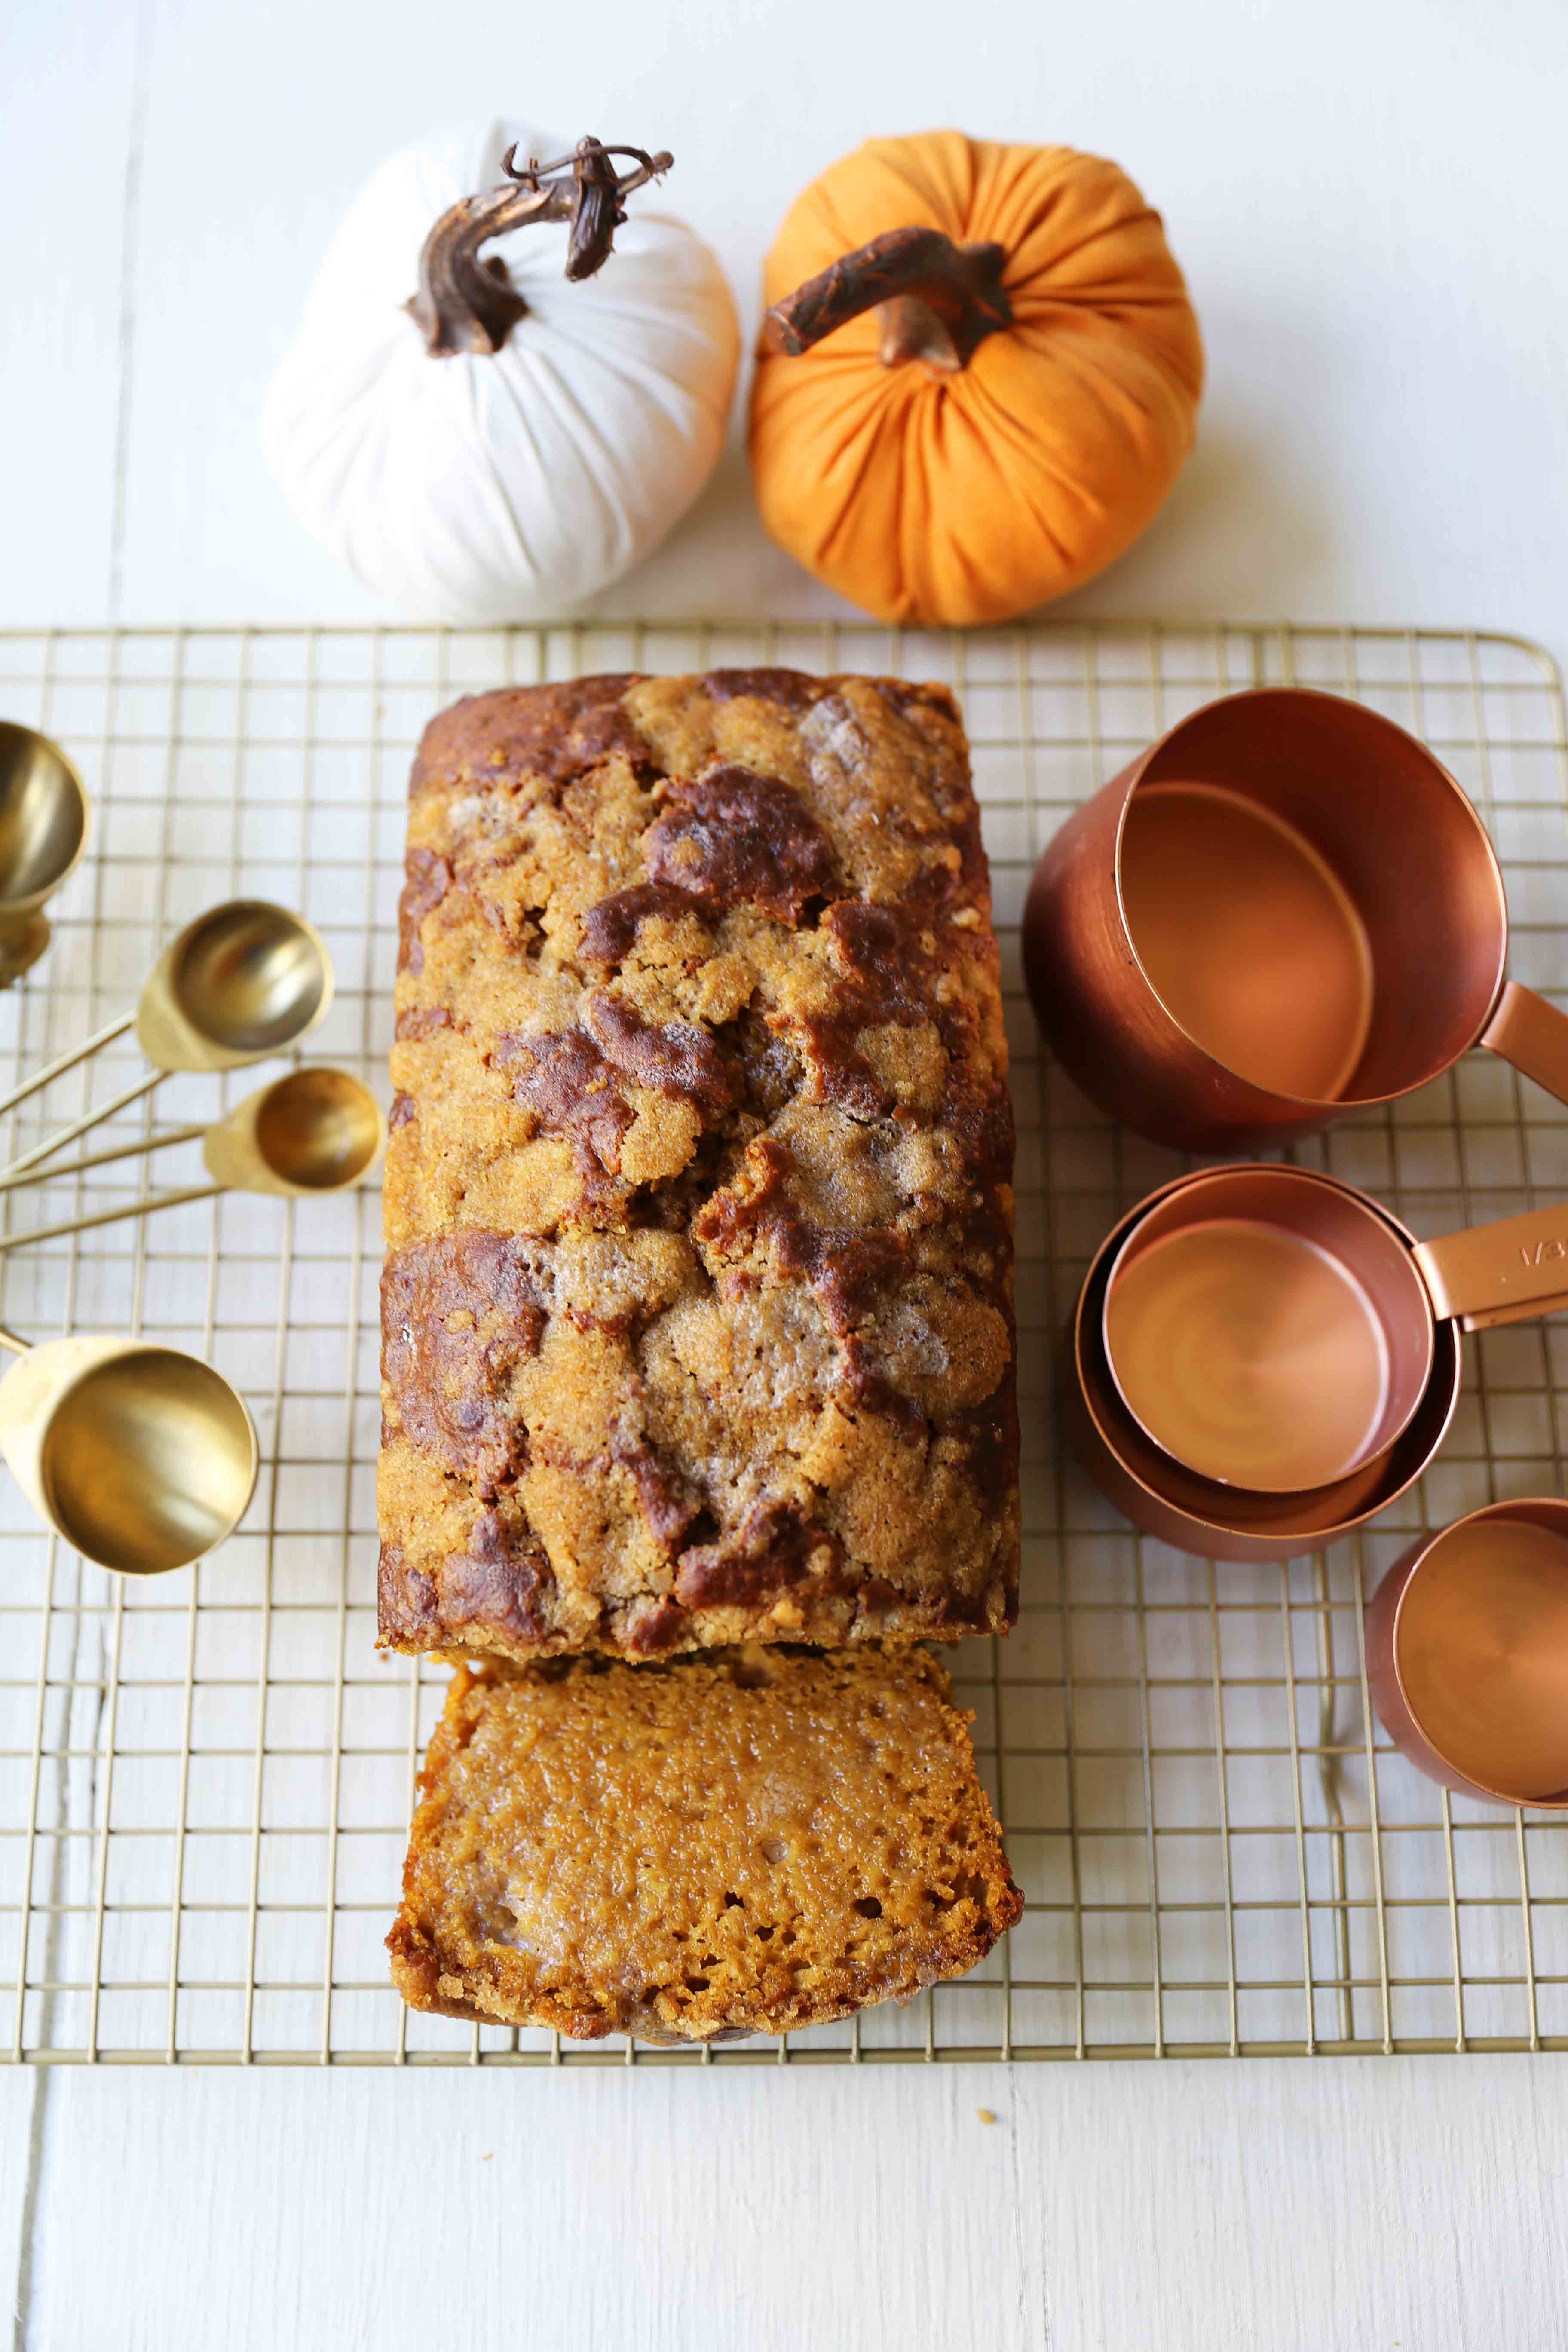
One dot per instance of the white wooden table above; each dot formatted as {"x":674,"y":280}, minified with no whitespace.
{"x":1371,"y":206}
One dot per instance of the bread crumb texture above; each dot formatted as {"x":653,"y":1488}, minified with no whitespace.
{"x":698,"y":1304}
{"x":751,"y":1842}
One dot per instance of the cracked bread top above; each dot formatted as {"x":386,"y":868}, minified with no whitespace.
{"x":748,"y":1841}
{"x":697,"y":1306}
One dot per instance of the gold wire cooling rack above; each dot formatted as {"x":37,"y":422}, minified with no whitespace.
{"x":205,"y":1780}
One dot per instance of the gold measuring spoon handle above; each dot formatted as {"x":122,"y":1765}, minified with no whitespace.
{"x":17,"y":1346}
{"x":57,"y":1141}
{"x":56,"y":1069}
{"x":169,"y":1136}
{"x":112,"y":1216}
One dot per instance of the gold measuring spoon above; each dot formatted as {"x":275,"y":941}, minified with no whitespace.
{"x":244,"y":980}
{"x":142,"y":1457}
{"x":43,"y":831}
{"x":316,"y":1131}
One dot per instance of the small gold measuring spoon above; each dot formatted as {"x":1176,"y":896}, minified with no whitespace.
{"x":316,"y":1131}
{"x":44,"y":813}
{"x":244,"y":980}
{"x":142,"y":1457}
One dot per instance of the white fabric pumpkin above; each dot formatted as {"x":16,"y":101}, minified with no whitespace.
{"x":499,"y":487}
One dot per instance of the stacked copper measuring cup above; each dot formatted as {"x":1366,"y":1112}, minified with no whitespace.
{"x":1283,"y":912}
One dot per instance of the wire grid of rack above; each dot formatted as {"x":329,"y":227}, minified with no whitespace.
{"x":205,"y":1778}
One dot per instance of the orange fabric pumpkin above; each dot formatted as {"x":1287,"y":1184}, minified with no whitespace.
{"x":981,"y":429}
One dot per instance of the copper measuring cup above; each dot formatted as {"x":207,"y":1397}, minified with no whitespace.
{"x":1193,"y":1514}
{"x":1467,"y":1653}
{"x":1271,"y":1329}
{"x":1284,"y":910}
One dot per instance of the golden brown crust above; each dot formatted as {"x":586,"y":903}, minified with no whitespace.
{"x":697,"y":1309}
{"x":749,"y":1841}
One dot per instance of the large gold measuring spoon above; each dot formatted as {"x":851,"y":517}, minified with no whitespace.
{"x":142,"y":1457}
{"x":43,"y":831}
{"x":316,"y":1131}
{"x":244,"y":980}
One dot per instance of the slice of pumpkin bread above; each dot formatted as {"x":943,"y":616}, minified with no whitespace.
{"x":748,"y":1841}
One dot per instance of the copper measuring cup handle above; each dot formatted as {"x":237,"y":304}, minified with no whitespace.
{"x":1532,"y":1034}
{"x":1505,"y":1273}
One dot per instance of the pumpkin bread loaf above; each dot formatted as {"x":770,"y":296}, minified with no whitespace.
{"x":697,"y":1308}
{"x":749,"y":1841}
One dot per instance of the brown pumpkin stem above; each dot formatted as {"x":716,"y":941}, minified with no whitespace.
{"x":465,"y":304}
{"x":938,"y":300}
